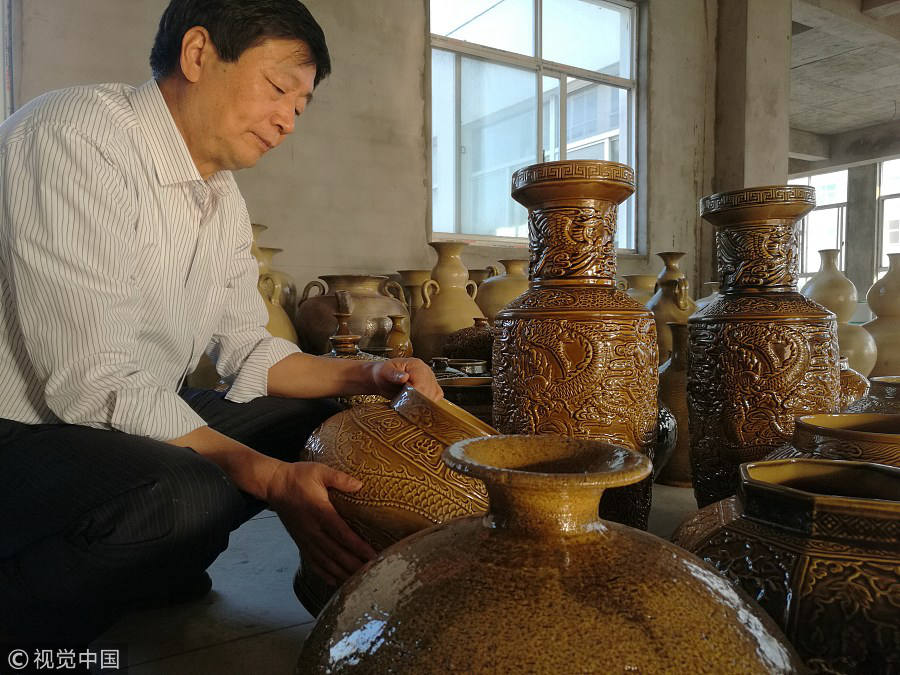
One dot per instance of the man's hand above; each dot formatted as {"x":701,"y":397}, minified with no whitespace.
{"x":298,"y":493}
{"x":389,"y":376}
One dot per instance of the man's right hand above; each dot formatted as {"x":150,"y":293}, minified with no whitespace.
{"x":298,"y":493}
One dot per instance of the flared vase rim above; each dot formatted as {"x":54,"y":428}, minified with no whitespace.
{"x":727,"y":201}
{"x":818,"y":425}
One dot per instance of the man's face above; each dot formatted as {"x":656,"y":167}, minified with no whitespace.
{"x":249,"y":106}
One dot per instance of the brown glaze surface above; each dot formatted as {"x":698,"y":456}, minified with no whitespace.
{"x":760,"y":353}
{"x":854,"y":384}
{"x":574,"y":355}
{"x":541,"y":585}
{"x":865,"y":437}
{"x":473,"y":342}
{"x":817,"y":544}
{"x":673,"y":394}
{"x":883,"y":396}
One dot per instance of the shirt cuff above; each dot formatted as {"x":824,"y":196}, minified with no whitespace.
{"x":153,"y":412}
{"x":252,"y":380}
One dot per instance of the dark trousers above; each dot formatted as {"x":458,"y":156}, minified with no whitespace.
{"x":93,"y":522}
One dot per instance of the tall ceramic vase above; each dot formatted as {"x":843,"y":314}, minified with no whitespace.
{"x":831,"y":289}
{"x":673,"y":394}
{"x":884,"y":301}
{"x":574,"y":355}
{"x":670,"y":271}
{"x":760,"y":354}
{"x":670,"y":303}
{"x":448,"y":301}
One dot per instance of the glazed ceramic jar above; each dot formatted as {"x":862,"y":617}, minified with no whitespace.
{"x":497,"y":291}
{"x":864,"y":437}
{"x":474,"y":342}
{"x":883,"y":396}
{"x":574,"y":355}
{"x":479,"y":276}
{"x":670,"y":303}
{"x":817,"y":544}
{"x":541,"y":585}
{"x":884,"y":301}
{"x":412,"y":281}
{"x":673,"y":393}
{"x":374,"y":299}
{"x":670,"y":271}
{"x":854,"y":384}
{"x":398,"y":342}
{"x":640,"y":287}
{"x":760,"y":353}
{"x":831,"y":289}
{"x":711,"y":288}
{"x":448,"y":301}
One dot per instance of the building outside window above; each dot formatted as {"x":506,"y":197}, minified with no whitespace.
{"x":514,"y":82}
{"x":888,"y":212}
{"x":824,"y":226}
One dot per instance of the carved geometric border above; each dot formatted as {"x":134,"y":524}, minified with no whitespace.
{"x":573,"y":170}
{"x":758,"y":196}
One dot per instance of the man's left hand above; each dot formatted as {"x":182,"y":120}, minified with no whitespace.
{"x":389,"y":376}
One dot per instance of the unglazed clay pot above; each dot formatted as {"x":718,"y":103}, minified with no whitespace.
{"x":448,"y":301}
{"x":817,"y":544}
{"x":479,"y":276}
{"x":640,"y":287}
{"x":711,"y":288}
{"x":374,"y":299}
{"x":474,"y":342}
{"x":574,"y":355}
{"x":284,"y":292}
{"x":498,"y":291}
{"x":854,"y":384}
{"x":395,"y":450}
{"x":761,"y":353}
{"x":670,"y":271}
{"x":883,"y":396}
{"x":279,"y":324}
{"x":864,"y":437}
{"x":670,"y":303}
{"x":541,"y":585}
{"x":884,"y":301}
{"x":673,"y":393}
{"x":831,"y":289}
{"x":412,"y":281}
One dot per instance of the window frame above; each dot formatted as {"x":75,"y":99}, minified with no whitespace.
{"x":541,"y":68}
{"x":804,"y":277}
{"x":880,"y":271}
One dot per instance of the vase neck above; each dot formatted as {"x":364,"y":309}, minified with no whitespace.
{"x":762,"y":256}
{"x":554,"y":513}
{"x":829,"y":258}
{"x":515,"y":267}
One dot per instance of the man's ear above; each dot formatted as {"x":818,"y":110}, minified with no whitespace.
{"x":196,"y":51}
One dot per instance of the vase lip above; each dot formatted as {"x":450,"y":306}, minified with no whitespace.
{"x":872,"y":427}
{"x":367,"y":277}
{"x":885,"y":380}
{"x":789,"y":201}
{"x":547,"y":462}
{"x":665,"y":254}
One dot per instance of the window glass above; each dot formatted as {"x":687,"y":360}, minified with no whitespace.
{"x":550,"y":119}
{"x":890,"y":177}
{"x":823,"y":230}
{"x":890,"y":237}
{"x":507,"y":24}
{"x":831,"y":188}
{"x":588,"y":34}
{"x":593,"y":112}
{"x":443,"y":140}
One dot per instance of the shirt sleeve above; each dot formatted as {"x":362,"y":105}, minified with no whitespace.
{"x":241,"y":346}
{"x":71,"y":223}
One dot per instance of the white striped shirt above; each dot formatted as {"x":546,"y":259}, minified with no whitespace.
{"x":119,"y":265}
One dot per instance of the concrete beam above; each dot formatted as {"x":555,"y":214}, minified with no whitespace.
{"x":843,"y":18}
{"x":879,"y":9}
{"x":853,"y":148}
{"x":809,"y":146}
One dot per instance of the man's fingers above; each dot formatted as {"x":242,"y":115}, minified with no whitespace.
{"x":340,"y":533}
{"x":332,"y":478}
{"x":320,"y":566}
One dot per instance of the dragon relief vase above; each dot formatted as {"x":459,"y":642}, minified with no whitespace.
{"x":574,"y":355}
{"x":760,"y":353}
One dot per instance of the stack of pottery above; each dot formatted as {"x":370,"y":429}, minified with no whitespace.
{"x":542,"y":585}
{"x":884,"y":301}
{"x":448,"y":301}
{"x":498,"y":291}
{"x":883,"y":396}
{"x":817,"y":544}
{"x":412,"y":281}
{"x":831,"y":289}
{"x":573,"y":355}
{"x":670,"y":304}
{"x":479,"y":276}
{"x":712,"y":291}
{"x":673,"y":394}
{"x":374,"y":299}
{"x":760,"y":354}
{"x":640,"y":287}
{"x":864,"y":437}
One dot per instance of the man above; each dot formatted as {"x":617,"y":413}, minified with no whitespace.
{"x":124,"y":253}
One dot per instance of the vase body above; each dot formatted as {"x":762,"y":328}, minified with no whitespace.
{"x":640,"y":287}
{"x":448,"y":301}
{"x":711,"y":288}
{"x":541,"y":585}
{"x":854,"y":384}
{"x":497,"y":291}
{"x":398,"y":342}
{"x":863,"y":437}
{"x":670,"y":303}
{"x":479,"y":276}
{"x":817,"y":544}
{"x":345,"y":346}
{"x":373,"y":299}
{"x":884,"y":301}
{"x":883,"y":396}
{"x":670,"y":271}
{"x":673,"y":393}
{"x":412,"y":281}
{"x":279,"y":324}
{"x":474,"y":342}
{"x":574,"y":355}
{"x":760,"y":354}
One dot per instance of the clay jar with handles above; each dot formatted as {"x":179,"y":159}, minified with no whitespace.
{"x":670,"y":271}
{"x":373,"y":299}
{"x":884,"y":301}
{"x":412,"y":281}
{"x":498,"y":291}
{"x":670,"y":303}
{"x":448,"y":301}
{"x":479,"y":276}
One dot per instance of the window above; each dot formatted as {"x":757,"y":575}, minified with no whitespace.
{"x":5,"y":58}
{"x":514,"y":82}
{"x":823,"y":227}
{"x":889,"y":212}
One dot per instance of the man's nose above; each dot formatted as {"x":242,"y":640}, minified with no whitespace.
{"x":285,"y":119}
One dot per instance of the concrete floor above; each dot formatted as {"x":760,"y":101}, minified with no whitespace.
{"x":251,"y":622}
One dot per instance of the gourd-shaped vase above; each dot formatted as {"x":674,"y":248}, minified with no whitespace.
{"x":640,"y":287}
{"x":448,"y":301}
{"x":541,"y":584}
{"x":412,"y":281}
{"x":670,"y":303}
{"x":760,"y":354}
{"x":673,"y":394}
{"x":712,"y":290}
{"x":498,"y":291}
{"x":884,"y":301}
{"x":670,"y":271}
{"x":831,"y":289}
{"x":574,"y":355}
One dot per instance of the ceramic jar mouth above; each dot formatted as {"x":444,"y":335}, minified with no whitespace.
{"x":345,"y":281}
{"x":595,"y":179}
{"x":441,"y":419}
{"x":887,"y":386}
{"x":871,"y":427}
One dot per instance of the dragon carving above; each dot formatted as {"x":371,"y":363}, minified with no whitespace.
{"x":582,"y":242}
{"x":758,"y":256}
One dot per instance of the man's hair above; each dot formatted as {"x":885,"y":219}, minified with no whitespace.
{"x":234,"y":26}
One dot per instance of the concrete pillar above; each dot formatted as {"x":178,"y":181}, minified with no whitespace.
{"x":861,"y":227}
{"x":752,"y":93}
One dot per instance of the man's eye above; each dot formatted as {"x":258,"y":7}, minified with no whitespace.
{"x":277,"y":88}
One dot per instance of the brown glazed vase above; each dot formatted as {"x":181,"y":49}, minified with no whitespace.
{"x":673,"y":394}
{"x":474,"y":342}
{"x":574,"y":355}
{"x":854,"y":384}
{"x":864,"y":437}
{"x":817,"y":544}
{"x":497,"y":291}
{"x":541,"y":584}
{"x":760,"y":354}
{"x":884,"y":301}
{"x":883,"y":396}
{"x":398,"y":339}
